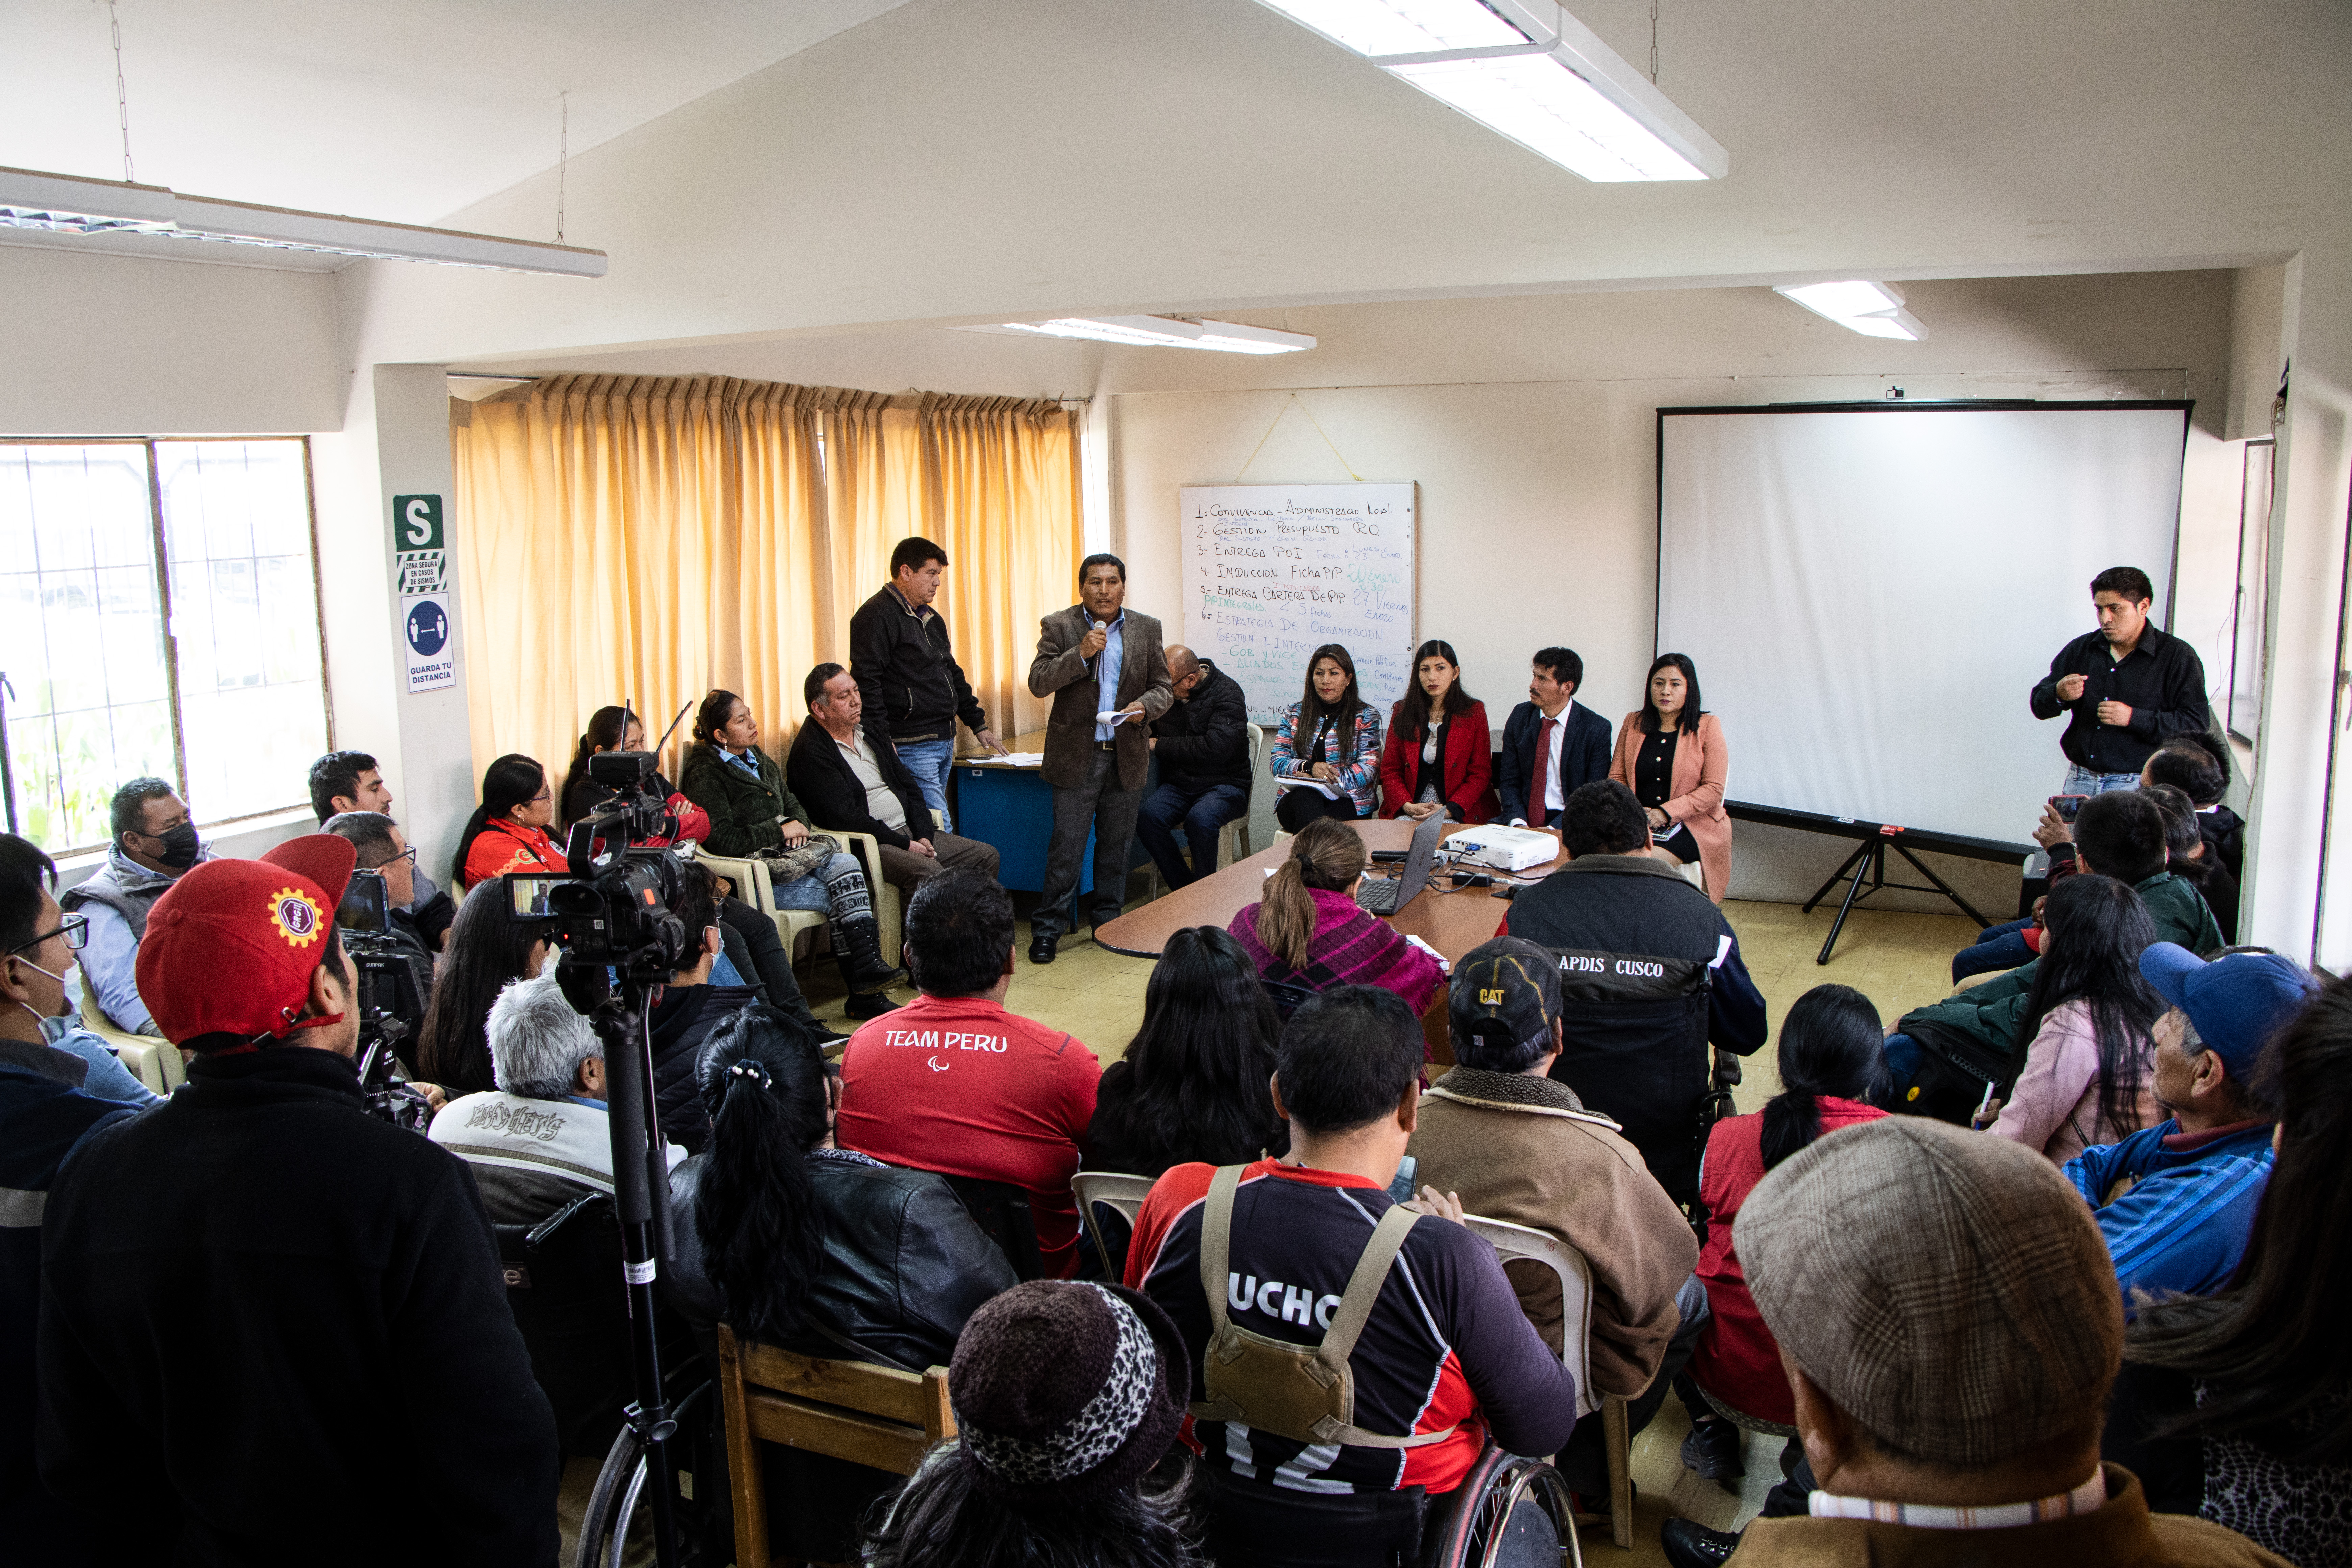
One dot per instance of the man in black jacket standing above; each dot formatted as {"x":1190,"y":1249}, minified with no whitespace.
{"x":2126,"y":688}
{"x":914,"y":690}
{"x":849,"y":783}
{"x":1201,"y":744}
{"x":286,"y":1314}
{"x":1650,"y":975}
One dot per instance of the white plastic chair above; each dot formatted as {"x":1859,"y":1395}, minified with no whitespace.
{"x":156,"y":1062}
{"x":1234,"y":838}
{"x":1123,"y":1192}
{"x":889,"y":909}
{"x":755,"y":888}
{"x":1520,"y":1243}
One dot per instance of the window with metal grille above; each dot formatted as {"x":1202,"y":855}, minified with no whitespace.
{"x":158,"y":617}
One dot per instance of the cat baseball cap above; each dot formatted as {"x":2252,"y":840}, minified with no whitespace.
{"x":230,"y":947}
{"x":1505,"y":992}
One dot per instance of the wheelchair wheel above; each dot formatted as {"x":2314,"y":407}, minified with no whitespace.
{"x":1475,"y":1534}
{"x":620,"y":1498}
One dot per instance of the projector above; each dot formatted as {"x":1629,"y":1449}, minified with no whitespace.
{"x":1507,"y":848}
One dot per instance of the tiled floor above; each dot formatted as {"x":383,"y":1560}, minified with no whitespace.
{"x":1898,"y":960}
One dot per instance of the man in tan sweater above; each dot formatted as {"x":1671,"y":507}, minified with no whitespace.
{"x":1517,"y":1145}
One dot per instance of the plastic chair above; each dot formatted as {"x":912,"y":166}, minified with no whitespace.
{"x":1001,"y":1211}
{"x":1118,"y":1191}
{"x":889,"y":908}
{"x":156,"y":1061}
{"x":1522,"y":1243}
{"x":754,"y":885}
{"x":852,"y":1410}
{"x":1234,"y":838}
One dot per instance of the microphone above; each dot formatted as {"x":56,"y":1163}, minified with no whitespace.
{"x":1103,"y":626}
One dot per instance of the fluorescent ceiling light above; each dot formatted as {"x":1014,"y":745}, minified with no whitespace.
{"x":67,"y":204}
{"x":1530,"y":71}
{"x":1373,"y":28}
{"x":1873,"y":310}
{"x":1163,"y":332}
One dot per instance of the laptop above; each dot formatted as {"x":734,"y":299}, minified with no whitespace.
{"x":1388,"y":896}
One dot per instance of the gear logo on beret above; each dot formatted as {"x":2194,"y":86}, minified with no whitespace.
{"x":296,"y":915}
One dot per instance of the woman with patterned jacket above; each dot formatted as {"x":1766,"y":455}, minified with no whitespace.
{"x":1331,"y":736}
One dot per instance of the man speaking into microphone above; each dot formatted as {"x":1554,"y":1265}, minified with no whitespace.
{"x":2127,"y":688}
{"x":1102,"y":665}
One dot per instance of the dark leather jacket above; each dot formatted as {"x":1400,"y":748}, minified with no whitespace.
{"x":904,"y":1265}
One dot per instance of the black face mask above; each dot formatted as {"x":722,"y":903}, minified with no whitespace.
{"x":180,"y":847}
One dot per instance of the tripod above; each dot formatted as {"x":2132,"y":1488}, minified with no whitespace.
{"x":641,"y":1200}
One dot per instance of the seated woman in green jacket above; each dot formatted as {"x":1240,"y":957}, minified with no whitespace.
{"x":752,"y":811}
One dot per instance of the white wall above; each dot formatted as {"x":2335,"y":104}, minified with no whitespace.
{"x":110,"y":345}
{"x":1539,"y":497}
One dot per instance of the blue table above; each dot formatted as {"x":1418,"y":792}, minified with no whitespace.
{"x":1013,"y":808}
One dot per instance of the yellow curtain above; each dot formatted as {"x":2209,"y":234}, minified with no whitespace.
{"x":656,"y":537}
{"x":992,"y":480}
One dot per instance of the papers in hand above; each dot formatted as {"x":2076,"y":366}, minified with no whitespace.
{"x":1114,"y":718}
{"x":1300,"y":781}
{"x":1008,"y":760}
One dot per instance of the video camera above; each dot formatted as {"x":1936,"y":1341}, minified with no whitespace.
{"x":610,"y":912}
{"x":365,"y":920}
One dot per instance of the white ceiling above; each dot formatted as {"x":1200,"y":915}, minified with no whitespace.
{"x":400,"y":110}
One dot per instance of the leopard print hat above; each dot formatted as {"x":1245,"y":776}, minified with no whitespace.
{"x":1067,"y":1390}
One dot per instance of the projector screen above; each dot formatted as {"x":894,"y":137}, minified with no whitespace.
{"x":1870,"y":591}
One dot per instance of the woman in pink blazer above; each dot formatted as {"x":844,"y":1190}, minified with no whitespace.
{"x":1671,"y":756}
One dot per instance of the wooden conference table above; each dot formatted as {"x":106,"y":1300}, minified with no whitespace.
{"x":1452,"y":922}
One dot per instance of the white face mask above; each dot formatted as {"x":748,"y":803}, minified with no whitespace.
{"x":52,"y":1029}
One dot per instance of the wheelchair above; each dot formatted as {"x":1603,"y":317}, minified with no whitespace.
{"x":565,"y":1288}
{"x":1495,"y":1517}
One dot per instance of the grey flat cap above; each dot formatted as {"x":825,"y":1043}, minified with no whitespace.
{"x":1948,"y":1288}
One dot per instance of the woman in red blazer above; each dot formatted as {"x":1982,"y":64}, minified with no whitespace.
{"x":1671,"y":756}
{"x":1445,"y":765}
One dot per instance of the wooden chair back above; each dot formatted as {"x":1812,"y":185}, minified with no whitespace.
{"x":868,"y":1414}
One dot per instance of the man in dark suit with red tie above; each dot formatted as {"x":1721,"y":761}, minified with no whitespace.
{"x":1551,"y":744}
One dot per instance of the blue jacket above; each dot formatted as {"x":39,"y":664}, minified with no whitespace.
{"x":43,"y":1118}
{"x":2181,"y":1226}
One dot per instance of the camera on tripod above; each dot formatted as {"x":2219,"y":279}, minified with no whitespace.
{"x":365,"y":920}
{"x":610,"y":909}
{"x":610,"y":912}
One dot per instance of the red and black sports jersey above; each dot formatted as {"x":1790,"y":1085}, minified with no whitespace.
{"x":1445,"y":1346}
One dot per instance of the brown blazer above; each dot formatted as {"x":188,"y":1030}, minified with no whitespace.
{"x":1058,"y":672}
{"x":1526,"y":1150}
{"x":1695,"y":798}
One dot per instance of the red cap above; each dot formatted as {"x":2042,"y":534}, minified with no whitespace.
{"x":230,"y":946}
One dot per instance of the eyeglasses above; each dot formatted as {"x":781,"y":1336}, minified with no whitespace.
{"x":75,"y":929}
{"x":408,"y":855}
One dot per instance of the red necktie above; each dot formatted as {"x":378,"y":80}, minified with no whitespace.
{"x":1536,"y":812}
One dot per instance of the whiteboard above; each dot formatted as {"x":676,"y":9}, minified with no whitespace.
{"x":1870,"y":596}
{"x":1274,"y":571}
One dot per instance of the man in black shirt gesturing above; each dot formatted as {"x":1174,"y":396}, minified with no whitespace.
{"x":2127,"y":687}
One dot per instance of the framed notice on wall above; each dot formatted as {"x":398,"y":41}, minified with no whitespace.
{"x":421,"y":564}
{"x":1274,"y":571}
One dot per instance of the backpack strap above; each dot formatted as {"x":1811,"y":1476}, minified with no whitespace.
{"x":1364,"y":1286}
{"x":1216,"y":1243}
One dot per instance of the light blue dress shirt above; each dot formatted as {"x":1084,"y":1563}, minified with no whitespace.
{"x":109,"y":966}
{"x":1107,"y":666}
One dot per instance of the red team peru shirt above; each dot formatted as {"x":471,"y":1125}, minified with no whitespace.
{"x":959,"y":1086}
{"x":1445,"y":1347}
